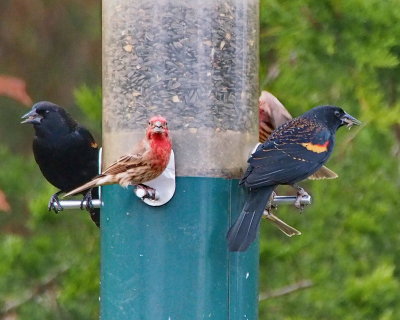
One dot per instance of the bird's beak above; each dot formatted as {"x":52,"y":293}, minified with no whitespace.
{"x":349,"y":120}
{"x":158,"y":128}
{"x":32,"y":117}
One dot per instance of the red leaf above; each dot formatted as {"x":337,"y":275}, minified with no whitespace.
{"x":14,"y":88}
{"x":4,"y":205}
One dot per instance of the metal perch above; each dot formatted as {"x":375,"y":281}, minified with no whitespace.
{"x":305,"y":200}
{"x":76,"y":204}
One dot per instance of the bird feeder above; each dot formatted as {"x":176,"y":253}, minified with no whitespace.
{"x":196,"y":64}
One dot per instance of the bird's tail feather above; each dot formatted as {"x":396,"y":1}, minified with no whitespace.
{"x":323,"y":173}
{"x":282,"y":225}
{"x":97,"y":181}
{"x":244,"y":230}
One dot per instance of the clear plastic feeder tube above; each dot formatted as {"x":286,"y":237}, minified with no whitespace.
{"x":193,"y":62}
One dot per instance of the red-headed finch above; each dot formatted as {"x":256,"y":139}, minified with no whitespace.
{"x":146,"y":162}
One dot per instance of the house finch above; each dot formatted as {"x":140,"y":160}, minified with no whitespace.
{"x":273,"y":114}
{"x":146,"y":162}
{"x":66,"y":152}
{"x":292,"y":153}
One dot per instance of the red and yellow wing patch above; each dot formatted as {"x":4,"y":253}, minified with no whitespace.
{"x":93,"y":144}
{"x":318,"y":148}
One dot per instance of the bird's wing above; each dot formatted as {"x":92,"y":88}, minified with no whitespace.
{"x":128,"y":161}
{"x":123,"y":164}
{"x":86,"y":136}
{"x":291,"y":156}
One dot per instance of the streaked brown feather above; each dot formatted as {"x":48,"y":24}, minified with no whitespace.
{"x":122,"y":164}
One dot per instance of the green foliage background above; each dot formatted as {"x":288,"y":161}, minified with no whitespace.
{"x":344,"y":53}
{"x":312,"y":52}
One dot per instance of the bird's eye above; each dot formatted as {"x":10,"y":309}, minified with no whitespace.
{"x":47,"y":111}
{"x":337,"y":113}
{"x":166,"y":123}
{"x":149,"y":123}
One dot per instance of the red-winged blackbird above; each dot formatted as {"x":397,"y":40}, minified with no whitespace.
{"x":66,"y":152}
{"x":292,"y":153}
{"x":272,"y":114}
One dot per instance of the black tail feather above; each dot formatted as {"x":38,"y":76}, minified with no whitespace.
{"x":244,"y":230}
{"x":95,"y":216}
{"x":95,"y":212}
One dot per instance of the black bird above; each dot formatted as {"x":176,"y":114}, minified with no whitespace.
{"x":292,"y":153}
{"x":66,"y":152}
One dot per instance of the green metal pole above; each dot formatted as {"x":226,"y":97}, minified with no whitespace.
{"x":197,"y":65}
{"x":172,"y":262}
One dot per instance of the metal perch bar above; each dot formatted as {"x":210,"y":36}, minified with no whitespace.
{"x":76,"y":204}
{"x":305,"y":200}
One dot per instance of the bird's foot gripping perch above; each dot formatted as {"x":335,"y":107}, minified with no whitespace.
{"x":301,"y":194}
{"x":87,"y":202}
{"x":271,"y":204}
{"x":146,"y":192}
{"x":54,"y":203}
{"x":160,"y":190}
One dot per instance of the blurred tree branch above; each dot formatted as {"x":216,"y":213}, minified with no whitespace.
{"x":303,"y":284}
{"x":47,"y":284}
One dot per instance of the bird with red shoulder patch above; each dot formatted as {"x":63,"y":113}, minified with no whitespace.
{"x":292,"y":153}
{"x":65,"y":152}
{"x":146,"y":162}
{"x":272,"y":114}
